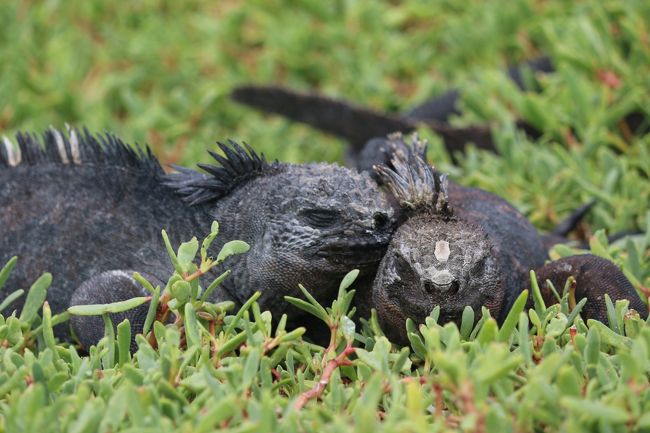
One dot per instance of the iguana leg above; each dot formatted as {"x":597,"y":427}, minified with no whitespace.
{"x":105,"y":288}
{"x":595,"y":277}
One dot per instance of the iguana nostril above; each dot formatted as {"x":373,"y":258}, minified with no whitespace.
{"x":441,"y":281}
{"x":452,"y":287}
{"x":442,"y":278}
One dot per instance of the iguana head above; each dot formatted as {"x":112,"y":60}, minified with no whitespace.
{"x":306,"y":224}
{"x":435,"y":257}
{"x":327,"y":215}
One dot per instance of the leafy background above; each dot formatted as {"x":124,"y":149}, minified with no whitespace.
{"x":159,"y":72}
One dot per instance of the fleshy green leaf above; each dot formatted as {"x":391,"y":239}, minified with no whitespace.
{"x":115,"y":307}
{"x":35,"y":297}
{"x":187,"y":252}
{"x":232,"y":248}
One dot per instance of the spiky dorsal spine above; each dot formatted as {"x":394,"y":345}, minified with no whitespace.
{"x":74,"y":148}
{"x":414,"y":183}
{"x":239,"y":165}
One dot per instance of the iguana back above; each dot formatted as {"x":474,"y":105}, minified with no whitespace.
{"x":84,"y":210}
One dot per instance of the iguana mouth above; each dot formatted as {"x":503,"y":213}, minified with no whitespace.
{"x":363,"y":253}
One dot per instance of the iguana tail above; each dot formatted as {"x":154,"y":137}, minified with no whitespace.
{"x":356,"y":124}
{"x":338,"y":117}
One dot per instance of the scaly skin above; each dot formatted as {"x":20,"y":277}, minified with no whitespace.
{"x":90,"y":211}
{"x":460,"y":246}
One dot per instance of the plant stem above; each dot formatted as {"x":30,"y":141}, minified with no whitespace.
{"x":319,"y":388}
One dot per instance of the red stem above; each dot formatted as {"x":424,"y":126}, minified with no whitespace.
{"x":319,"y":388}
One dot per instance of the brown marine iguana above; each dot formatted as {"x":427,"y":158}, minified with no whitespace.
{"x":89,"y":209}
{"x":458,"y":246}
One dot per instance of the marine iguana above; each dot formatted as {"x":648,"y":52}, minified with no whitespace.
{"x":89,"y":209}
{"x":458,"y":246}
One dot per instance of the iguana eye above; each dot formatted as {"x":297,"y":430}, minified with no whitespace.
{"x":478,"y":268}
{"x":401,"y":263}
{"x":321,"y":217}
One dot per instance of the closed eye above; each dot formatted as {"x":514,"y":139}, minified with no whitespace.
{"x":479,"y":267}
{"x":402,"y":271}
{"x":401,"y":263}
{"x":321,"y":218}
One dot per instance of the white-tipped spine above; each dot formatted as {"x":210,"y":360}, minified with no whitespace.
{"x":60,"y":145}
{"x":13,"y":154}
{"x":74,"y":144}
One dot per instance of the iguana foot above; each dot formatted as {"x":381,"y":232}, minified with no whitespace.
{"x":106,"y":288}
{"x":595,"y":277}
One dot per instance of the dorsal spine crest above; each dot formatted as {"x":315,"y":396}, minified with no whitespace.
{"x":76,"y":148}
{"x":239,"y":165}
{"x":416,"y":185}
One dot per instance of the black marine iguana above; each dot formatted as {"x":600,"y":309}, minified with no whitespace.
{"x":89,"y":209}
{"x":458,"y":246}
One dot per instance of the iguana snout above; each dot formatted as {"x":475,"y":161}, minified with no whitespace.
{"x":363,"y":243}
{"x":440,"y":281}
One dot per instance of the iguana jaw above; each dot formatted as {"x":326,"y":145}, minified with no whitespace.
{"x":360,"y":246}
{"x":354,"y":253}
